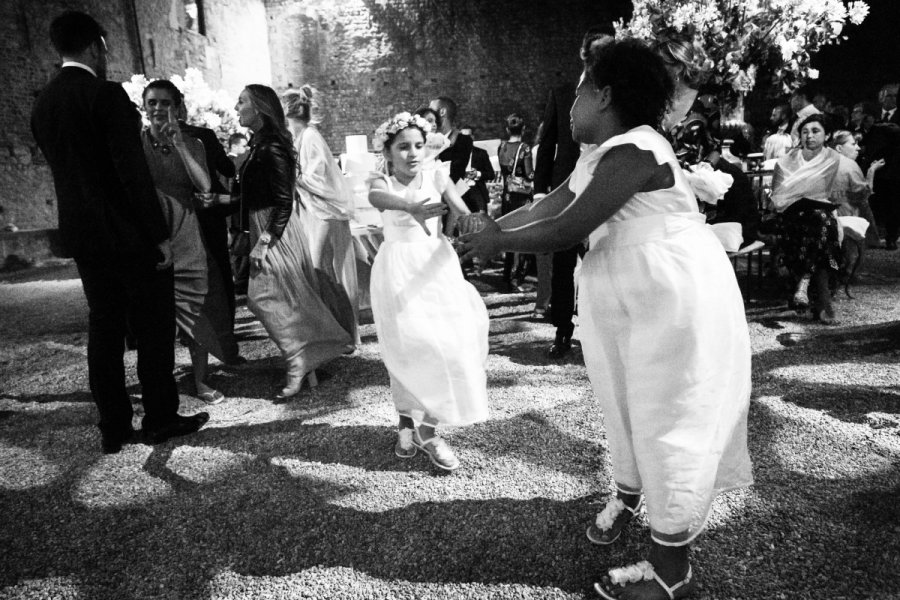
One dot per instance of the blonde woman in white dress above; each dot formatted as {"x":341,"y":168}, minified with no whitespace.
{"x":432,"y":324}
{"x":325,"y":203}
{"x":662,"y":319}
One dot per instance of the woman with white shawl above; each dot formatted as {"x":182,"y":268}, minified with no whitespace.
{"x":801,"y":191}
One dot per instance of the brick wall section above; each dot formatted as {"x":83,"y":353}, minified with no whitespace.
{"x":370,"y":59}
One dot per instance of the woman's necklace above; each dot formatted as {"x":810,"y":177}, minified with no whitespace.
{"x":157,"y":145}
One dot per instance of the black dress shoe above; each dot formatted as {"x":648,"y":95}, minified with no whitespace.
{"x":179,"y":426}
{"x":560,"y":347}
{"x":111,"y":443}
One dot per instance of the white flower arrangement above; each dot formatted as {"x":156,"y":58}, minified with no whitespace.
{"x":205,"y":107}
{"x":708,"y":184}
{"x":642,"y":571}
{"x":396,"y":124}
{"x":742,"y":36}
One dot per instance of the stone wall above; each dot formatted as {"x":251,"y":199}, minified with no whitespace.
{"x":371,"y":58}
{"x":143,"y":35}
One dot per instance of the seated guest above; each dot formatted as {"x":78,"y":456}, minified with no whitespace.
{"x":693,"y":145}
{"x":778,"y":137}
{"x":801,"y":191}
{"x":851,"y":192}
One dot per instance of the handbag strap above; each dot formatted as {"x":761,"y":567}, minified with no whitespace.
{"x":516,"y":160}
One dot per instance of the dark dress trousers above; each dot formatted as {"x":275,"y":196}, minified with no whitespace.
{"x":556,"y":159}
{"x":110,"y":222}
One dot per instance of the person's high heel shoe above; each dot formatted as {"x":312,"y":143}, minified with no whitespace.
{"x":295,"y":377}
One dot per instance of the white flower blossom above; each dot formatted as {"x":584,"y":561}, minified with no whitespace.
{"x":642,"y":571}
{"x":396,"y":124}
{"x":812,"y":73}
{"x":857,"y":12}
{"x":747,"y":33}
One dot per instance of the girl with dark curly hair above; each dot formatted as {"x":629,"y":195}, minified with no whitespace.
{"x":662,"y":319}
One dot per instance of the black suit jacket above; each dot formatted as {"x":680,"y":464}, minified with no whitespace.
{"x":557,"y":152}
{"x":217,"y":160}
{"x":89,"y":132}
{"x":477,"y":198}
{"x":458,"y":155}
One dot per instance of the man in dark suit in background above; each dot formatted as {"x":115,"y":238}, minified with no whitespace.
{"x":556,"y":159}
{"x":111,"y":223}
{"x":460,"y":144}
{"x":882,"y":141}
{"x":477,"y":197}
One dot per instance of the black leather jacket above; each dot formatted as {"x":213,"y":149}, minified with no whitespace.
{"x":267,"y":180}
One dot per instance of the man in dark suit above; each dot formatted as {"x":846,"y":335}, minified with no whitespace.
{"x":883,"y":142}
{"x":887,"y":98}
{"x":460,"y":145}
{"x":556,"y":160}
{"x":477,"y":197}
{"x":111,"y":223}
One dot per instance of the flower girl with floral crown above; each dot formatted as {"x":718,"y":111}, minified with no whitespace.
{"x":432,"y":325}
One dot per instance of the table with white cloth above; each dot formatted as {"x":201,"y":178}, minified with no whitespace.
{"x":366,"y":241}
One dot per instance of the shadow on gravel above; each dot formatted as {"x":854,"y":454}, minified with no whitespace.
{"x":79,"y":396}
{"x":548,"y":446}
{"x":848,"y":403}
{"x":873,"y":342}
{"x":806,"y":532}
{"x":534,"y":352}
{"x":271,"y":514}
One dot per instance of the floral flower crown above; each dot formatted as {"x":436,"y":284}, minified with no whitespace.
{"x":395,"y":125}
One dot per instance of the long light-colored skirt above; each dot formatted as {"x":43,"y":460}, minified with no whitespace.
{"x":668,"y":354}
{"x":432,"y":331}
{"x":331,"y":248}
{"x":301,"y":311}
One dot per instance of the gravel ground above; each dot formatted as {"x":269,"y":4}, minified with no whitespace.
{"x":306,"y":499}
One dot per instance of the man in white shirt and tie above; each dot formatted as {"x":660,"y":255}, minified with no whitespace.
{"x":887,"y":97}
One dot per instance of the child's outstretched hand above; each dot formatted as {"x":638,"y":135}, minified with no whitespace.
{"x":424,"y":210}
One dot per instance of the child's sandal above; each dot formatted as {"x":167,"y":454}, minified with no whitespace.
{"x":643,"y":571}
{"x":405,"y":448}
{"x":438,"y":451}
{"x":609,"y":523}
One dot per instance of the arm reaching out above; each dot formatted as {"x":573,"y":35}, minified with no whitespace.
{"x":382,"y":199}
{"x":191,"y":152}
{"x":621,"y":173}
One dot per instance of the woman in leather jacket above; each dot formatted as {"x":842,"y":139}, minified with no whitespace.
{"x":284,"y":292}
